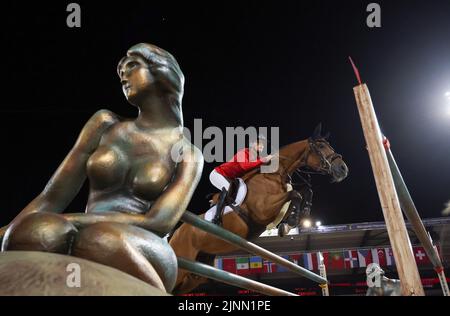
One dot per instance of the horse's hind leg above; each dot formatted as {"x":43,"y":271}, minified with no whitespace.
{"x":183,"y":242}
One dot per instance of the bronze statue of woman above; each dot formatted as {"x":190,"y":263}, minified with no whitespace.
{"x":138,"y":191}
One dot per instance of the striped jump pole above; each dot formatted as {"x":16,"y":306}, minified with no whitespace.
{"x":236,"y":240}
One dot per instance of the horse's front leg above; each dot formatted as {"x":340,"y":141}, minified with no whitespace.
{"x":299,"y":207}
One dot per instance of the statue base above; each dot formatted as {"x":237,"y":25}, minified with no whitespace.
{"x":25,"y":273}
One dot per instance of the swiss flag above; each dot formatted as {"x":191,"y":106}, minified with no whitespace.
{"x":421,"y":256}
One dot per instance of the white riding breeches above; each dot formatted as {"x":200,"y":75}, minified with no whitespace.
{"x":218,"y":180}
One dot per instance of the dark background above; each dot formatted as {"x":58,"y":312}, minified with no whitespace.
{"x":247,"y":63}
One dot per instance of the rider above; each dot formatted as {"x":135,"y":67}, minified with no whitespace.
{"x":245,"y":160}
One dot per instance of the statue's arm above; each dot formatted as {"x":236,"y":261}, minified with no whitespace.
{"x":70,"y":175}
{"x":170,"y":206}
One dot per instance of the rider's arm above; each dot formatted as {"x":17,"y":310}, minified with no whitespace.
{"x":244,"y":161}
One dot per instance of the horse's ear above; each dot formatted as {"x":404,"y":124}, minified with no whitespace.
{"x":327,"y":135}
{"x":317,"y":131}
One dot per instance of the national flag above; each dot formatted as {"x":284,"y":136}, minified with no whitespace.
{"x":390,"y":261}
{"x":269,"y":267}
{"x":351,"y":259}
{"x":242,"y":266}
{"x":364,"y":257}
{"x":281,"y":268}
{"x":421,"y":255}
{"x":295,"y":258}
{"x":336,"y":260}
{"x":218,"y":263}
{"x":310,"y":261}
{"x":325,"y":259}
{"x":256,"y":265}
{"x":229,"y":264}
{"x":378,"y":256}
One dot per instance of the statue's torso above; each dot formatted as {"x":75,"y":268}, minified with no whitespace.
{"x":129,"y":169}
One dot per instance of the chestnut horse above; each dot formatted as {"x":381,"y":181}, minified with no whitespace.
{"x":266,"y":195}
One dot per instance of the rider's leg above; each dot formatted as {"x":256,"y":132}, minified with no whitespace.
{"x":218,"y":180}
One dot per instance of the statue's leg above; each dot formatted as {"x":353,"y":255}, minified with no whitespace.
{"x":131,"y":249}
{"x":40,"y":231}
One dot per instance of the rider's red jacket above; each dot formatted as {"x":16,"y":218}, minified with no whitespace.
{"x":238,"y":165}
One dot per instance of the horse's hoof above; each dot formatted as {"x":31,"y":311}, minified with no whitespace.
{"x":283,"y":230}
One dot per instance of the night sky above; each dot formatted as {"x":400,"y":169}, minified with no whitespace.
{"x":247,"y":63}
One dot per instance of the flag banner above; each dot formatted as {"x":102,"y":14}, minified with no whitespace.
{"x":351,"y":259}
{"x":242,"y":266}
{"x":218,"y":263}
{"x":364,"y":257}
{"x":281,"y":268}
{"x":229,"y":264}
{"x":325,"y":259}
{"x":256,"y":265}
{"x":310,"y":261}
{"x":378,"y":256}
{"x":421,"y":256}
{"x":336,"y":260}
{"x":390,"y":261}
{"x":295,"y":258}
{"x":269,"y":267}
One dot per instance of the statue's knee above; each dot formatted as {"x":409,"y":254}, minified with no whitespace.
{"x":101,"y":239}
{"x":41,"y":231}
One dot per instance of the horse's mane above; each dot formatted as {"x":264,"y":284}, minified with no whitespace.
{"x":280,"y":152}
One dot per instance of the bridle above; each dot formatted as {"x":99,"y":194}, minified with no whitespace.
{"x":325,"y":161}
{"x":303,"y":171}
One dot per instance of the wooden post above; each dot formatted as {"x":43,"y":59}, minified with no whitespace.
{"x":400,"y":243}
{"x":411,"y":213}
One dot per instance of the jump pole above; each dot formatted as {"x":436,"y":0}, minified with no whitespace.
{"x":411,"y":213}
{"x":230,"y":278}
{"x":401,"y":246}
{"x":236,"y":240}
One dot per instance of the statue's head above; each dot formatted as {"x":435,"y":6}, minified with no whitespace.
{"x":148,"y":70}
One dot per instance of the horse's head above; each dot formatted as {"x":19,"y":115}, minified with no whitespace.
{"x":321,"y":158}
{"x":313,"y":156}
